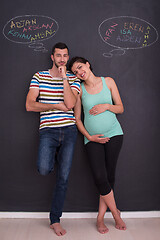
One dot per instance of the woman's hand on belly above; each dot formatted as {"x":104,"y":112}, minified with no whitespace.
{"x":98,"y":138}
{"x":99,"y":108}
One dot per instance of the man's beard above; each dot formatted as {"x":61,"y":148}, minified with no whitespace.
{"x":57,"y":65}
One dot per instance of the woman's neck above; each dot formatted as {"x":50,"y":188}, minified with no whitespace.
{"x":92,"y":81}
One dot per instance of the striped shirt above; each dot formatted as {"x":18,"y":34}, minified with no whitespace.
{"x":51,"y":91}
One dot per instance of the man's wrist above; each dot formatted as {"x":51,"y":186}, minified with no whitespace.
{"x":65,"y":78}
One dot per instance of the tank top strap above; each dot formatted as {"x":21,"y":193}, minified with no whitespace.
{"x":83,"y":88}
{"x":103,"y":79}
{"x":105,"y":87}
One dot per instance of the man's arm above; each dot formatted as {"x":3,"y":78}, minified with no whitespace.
{"x":34,"y":106}
{"x":70,"y":96}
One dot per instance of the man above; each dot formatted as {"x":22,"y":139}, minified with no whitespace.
{"x":57,"y":90}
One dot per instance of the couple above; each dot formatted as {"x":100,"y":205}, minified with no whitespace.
{"x":59,"y":91}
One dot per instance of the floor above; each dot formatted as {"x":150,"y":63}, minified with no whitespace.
{"x":79,"y":229}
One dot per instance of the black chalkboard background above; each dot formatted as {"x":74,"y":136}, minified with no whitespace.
{"x":136,"y":73}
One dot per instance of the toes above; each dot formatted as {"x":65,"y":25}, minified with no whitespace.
{"x":103,"y":229}
{"x":120,"y":227}
{"x":59,"y":231}
{"x":63,"y":232}
{"x":106,"y":230}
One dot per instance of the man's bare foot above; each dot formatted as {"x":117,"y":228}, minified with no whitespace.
{"x":58,"y":229}
{"x":119,"y":222}
{"x":101,"y":227}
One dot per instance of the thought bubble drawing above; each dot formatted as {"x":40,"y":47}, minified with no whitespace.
{"x":125,"y":32}
{"x":30,"y":29}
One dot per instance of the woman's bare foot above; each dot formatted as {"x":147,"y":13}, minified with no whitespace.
{"x":119,"y":213}
{"x":101,"y":227}
{"x":119,"y":222}
{"x":58,"y":229}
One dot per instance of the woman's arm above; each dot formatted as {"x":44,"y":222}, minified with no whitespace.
{"x":77,"y":112}
{"x":118,"y":105}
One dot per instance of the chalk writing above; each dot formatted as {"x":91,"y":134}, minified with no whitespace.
{"x":109,"y":31}
{"x":126,"y":38}
{"x":124,"y":31}
{"x":30,"y":29}
{"x":35,"y":27}
{"x":42,"y":35}
{"x":127,"y":32}
{"x":146,"y":36}
{"x":133,"y":26}
{"x":22,"y":23}
{"x":17,"y":34}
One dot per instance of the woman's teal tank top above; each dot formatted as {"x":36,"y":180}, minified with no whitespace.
{"x":104,"y":123}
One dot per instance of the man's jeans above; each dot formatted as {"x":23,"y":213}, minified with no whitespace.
{"x":53,"y":140}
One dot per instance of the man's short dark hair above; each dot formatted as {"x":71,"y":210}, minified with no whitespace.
{"x":59,"y":45}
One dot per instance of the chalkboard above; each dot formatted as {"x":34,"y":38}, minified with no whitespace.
{"x":121,"y":40}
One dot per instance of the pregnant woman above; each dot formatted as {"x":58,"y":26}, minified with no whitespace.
{"x":103,"y":135}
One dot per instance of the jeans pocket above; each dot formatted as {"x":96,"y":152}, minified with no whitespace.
{"x":43,"y":131}
{"x":73,"y":128}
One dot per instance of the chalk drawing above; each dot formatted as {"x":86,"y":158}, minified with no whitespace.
{"x":31,"y":30}
{"x":126,"y":32}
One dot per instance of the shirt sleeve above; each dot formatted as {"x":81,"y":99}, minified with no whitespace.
{"x":76,"y":85}
{"x":35,"y":81}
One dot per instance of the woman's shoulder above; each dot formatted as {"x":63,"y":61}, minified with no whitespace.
{"x":109,"y":81}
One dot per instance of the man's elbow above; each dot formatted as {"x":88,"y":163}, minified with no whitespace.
{"x":28,"y":107}
{"x":70,"y":105}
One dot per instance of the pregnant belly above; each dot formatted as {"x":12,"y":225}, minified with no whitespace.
{"x":101,"y":123}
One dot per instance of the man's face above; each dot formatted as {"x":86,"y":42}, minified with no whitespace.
{"x":60,"y":57}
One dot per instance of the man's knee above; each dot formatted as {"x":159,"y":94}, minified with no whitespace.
{"x":43,"y":171}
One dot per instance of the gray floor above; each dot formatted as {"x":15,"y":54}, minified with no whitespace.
{"x":79,"y":229}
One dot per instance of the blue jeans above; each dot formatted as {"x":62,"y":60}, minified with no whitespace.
{"x":60,"y":141}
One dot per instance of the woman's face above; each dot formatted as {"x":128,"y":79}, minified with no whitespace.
{"x":81,"y":70}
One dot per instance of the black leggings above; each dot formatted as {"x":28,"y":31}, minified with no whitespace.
{"x":103,"y":160}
